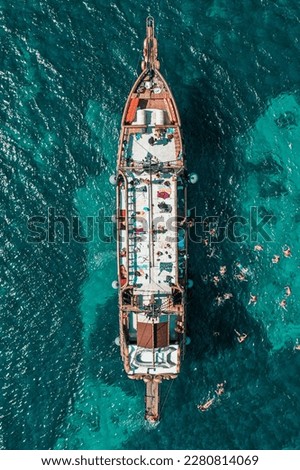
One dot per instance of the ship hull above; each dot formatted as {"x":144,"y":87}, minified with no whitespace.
{"x":151,"y":231}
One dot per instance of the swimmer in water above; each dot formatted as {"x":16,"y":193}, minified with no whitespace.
{"x":286,"y":251}
{"x":253,"y":299}
{"x":212,"y":252}
{"x":275,"y":259}
{"x":220,"y":389}
{"x":206,"y":405}
{"x":223,"y":270}
{"x":283,"y":304}
{"x":258,"y":248}
{"x":241,"y":268}
{"x":227,"y":296}
{"x":241,"y":336}
{"x":216,"y":279}
{"x":240,"y":277}
{"x":288,"y":291}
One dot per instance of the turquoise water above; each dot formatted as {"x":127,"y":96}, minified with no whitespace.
{"x":66,"y":70}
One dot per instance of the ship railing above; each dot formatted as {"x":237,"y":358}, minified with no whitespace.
{"x":126,"y":229}
{"x":140,"y":166}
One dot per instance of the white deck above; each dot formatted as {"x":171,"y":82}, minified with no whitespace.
{"x":165,"y":360}
{"x":152,"y":211}
{"x":160,"y":145}
{"x":163,"y":149}
{"x":152,"y":232}
{"x":150,"y":240}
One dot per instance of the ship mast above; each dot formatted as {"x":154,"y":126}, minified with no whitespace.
{"x":150,"y":61}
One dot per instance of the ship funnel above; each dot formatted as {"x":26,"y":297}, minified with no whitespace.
{"x":150,"y":61}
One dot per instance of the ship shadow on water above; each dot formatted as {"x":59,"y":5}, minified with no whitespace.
{"x":209,"y":131}
{"x":105,"y":362}
{"x":212,"y":155}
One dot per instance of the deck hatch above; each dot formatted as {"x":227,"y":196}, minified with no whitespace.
{"x":152,"y":335}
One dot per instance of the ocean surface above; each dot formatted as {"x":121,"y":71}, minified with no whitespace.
{"x":65,"y":72}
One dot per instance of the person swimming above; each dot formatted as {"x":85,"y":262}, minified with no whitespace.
{"x":286,"y":251}
{"x":288,"y":291}
{"x":283,"y":304}
{"x":241,"y":268}
{"x":241,"y":277}
{"x":241,"y":336}
{"x":253,"y":299}
{"x":227,"y":296}
{"x":206,"y":405}
{"x":275,"y":259}
{"x":223,"y":270}
{"x":220,"y":389}
{"x":258,"y":248}
{"x":212,"y":253}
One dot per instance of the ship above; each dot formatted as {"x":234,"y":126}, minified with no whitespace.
{"x":152,"y":221}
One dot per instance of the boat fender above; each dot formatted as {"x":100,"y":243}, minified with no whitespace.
{"x":115,"y":284}
{"x":193,"y":178}
{"x":190,"y":283}
{"x":117,"y":341}
{"x":113,"y":179}
{"x":187,"y":340}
